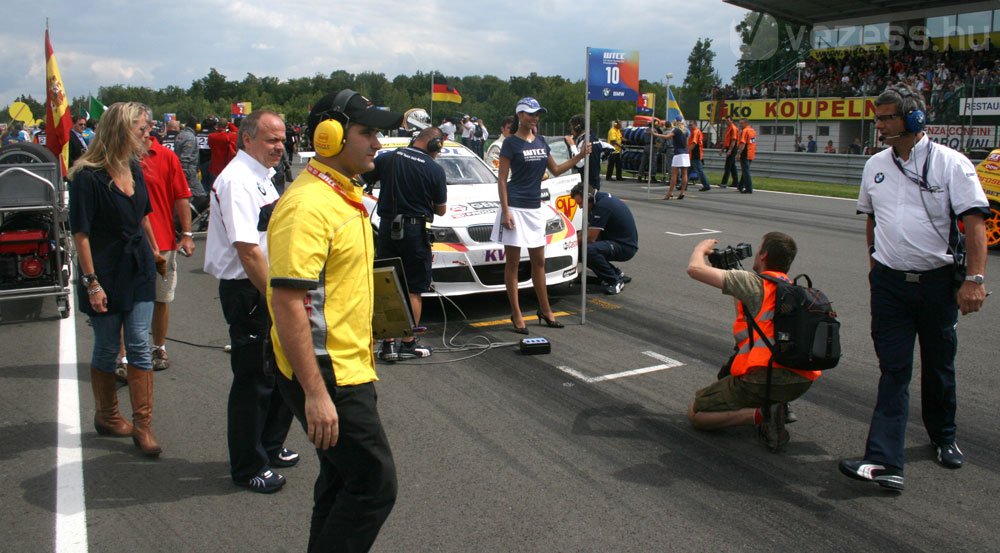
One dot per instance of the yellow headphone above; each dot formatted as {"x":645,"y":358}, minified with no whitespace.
{"x":329,"y":136}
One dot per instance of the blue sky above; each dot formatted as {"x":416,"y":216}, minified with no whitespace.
{"x":156,"y":44}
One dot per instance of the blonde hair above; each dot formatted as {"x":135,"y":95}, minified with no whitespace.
{"x":115,"y":143}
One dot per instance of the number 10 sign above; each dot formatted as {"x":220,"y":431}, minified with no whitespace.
{"x":612,"y":75}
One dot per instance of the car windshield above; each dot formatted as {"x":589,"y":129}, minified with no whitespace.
{"x":461,"y":166}
{"x":560,"y":151}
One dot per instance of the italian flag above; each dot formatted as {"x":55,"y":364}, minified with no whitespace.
{"x":58,"y":120}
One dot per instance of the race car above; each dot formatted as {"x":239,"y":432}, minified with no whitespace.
{"x":465,"y":261}
{"x":989,"y":176}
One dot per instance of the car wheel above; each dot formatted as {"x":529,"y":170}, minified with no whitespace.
{"x":26,"y":152}
{"x":993,"y":227}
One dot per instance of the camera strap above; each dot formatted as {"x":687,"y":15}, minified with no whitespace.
{"x":751,"y":327}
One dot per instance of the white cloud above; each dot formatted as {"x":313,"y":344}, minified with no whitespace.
{"x":179,"y":42}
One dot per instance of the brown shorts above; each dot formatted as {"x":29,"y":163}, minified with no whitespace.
{"x":733,"y":393}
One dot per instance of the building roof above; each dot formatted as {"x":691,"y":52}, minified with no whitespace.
{"x":857,"y":12}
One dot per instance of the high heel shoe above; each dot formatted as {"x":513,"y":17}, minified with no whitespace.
{"x":518,"y":329}
{"x":551,"y":323}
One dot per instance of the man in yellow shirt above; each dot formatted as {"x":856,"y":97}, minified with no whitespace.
{"x":320,"y":293}
{"x":615,"y":159}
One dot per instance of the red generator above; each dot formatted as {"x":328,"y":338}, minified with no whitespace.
{"x":24,"y":256}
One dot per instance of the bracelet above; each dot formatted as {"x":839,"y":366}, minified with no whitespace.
{"x":186,"y":233}
{"x":95,"y":290}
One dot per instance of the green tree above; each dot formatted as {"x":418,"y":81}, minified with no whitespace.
{"x":701,"y":78}
{"x":770,"y":48}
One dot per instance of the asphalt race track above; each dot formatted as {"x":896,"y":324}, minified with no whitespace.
{"x":502,"y":452}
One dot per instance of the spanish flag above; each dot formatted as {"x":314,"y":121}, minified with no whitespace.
{"x":58,"y":119}
{"x":445,"y":93}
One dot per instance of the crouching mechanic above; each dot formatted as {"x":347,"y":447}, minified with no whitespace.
{"x":611,"y":236}
{"x":739,"y":397}
{"x":413,"y":190}
{"x":320,"y":293}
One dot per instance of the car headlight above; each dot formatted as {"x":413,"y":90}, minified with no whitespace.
{"x":553,"y":226}
{"x":445,"y":235}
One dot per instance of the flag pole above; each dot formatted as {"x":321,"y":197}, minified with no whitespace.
{"x":432,"y":98}
{"x":586,"y":195}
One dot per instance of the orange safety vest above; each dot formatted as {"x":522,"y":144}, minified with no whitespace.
{"x":732,"y":135}
{"x":748,"y":136}
{"x":696,"y":138}
{"x":756,"y":356}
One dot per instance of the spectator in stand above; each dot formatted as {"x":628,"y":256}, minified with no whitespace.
{"x":730,"y":144}
{"x":811,"y":144}
{"x":830,"y":148}
{"x":615,"y":158}
{"x":168,"y":195}
{"x":747,"y":153}
{"x":222,"y":143}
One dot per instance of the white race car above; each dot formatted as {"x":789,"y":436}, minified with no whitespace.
{"x":465,"y":261}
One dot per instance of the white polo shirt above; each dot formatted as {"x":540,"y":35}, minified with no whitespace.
{"x":913,"y":222}
{"x":238,"y":193}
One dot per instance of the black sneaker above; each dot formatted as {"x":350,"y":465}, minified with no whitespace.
{"x":614,"y":288}
{"x":389,"y":351}
{"x":772,"y":432}
{"x":883,"y":475}
{"x":414,"y":350}
{"x":266,"y":481}
{"x":284,"y":458}
{"x":949,"y":455}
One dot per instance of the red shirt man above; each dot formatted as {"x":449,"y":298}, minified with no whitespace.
{"x":222,"y":143}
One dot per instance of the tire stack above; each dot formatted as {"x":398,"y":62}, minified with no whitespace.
{"x":634,"y":138}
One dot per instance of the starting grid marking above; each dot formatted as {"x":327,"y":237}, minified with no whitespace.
{"x":704,"y":231}
{"x":667,"y":363}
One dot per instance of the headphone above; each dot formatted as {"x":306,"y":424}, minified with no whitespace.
{"x":329,"y":136}
{"x":434,"y":145}
{"x":914,"y":118}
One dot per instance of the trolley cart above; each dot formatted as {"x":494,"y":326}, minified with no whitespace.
{"x":36,"y":247}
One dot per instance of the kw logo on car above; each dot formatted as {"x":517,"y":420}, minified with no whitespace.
{"x":493,"y":255}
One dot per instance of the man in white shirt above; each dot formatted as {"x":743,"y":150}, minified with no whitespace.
{"x":236,"y":254}
{"x":914,"y":194}
{"x":448,"y":128}
{"x":467,"y":128}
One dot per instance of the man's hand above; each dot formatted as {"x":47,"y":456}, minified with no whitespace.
{"x":161,"y":265}
{"x":706,"y":246}
{"x":700,"y":270}
{"x":322,"y":424}
{"x":971,"y":297}
{"x":186,"y":246}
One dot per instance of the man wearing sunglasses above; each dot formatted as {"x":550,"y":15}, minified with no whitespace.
{"x":914,"y":193}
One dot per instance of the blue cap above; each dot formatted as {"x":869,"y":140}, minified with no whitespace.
{"x":529,"y":105}
{"x":678,"y":118}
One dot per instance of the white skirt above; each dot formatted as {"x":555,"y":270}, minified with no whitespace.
{"x":528,"y":231}
{"x":681,"y":160}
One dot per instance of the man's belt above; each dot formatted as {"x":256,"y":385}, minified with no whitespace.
{"x":941,"y":273}
{"x":414,"y":220}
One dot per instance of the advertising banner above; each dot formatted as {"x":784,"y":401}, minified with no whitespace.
{"x":825,"y":109}
{"x":959,"y":137}
{"x":980,"y":106}
{"x":612,"y":74}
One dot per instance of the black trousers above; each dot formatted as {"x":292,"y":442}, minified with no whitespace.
{"x":901,"y":312}
{"x":258,"y":417}
{"x":614,"y":165}
{"x":356,"y":487}
{"x":730,"y":170}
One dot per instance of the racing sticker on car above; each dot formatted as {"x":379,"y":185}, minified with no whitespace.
{"x":567,"y":206}
{"x":473,"y":208}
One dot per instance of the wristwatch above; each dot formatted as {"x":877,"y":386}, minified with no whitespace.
{"x":187,"y":233}
{"x":978,"y":279}
{"x":88,"y":279}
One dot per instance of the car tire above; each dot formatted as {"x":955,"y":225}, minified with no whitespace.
{"x":25,"y":152}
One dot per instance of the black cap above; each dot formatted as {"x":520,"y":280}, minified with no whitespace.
{"x":358,"y":109}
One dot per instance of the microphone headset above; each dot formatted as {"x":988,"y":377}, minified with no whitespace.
{"x":914,"y":118}
{"x":434,"y":145}
{"x":329,"y":136}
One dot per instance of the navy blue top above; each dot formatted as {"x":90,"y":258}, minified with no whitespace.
{"x":412,"y":183}
{"x":595,"y":161}
{"x":680,"y":141}
{"x":123,"y":259}
{"x":615,"y":220}
{"x":528,"y":161}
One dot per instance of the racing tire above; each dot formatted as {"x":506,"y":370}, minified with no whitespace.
{"x":26,"y":152}
{"x":993,"y":227}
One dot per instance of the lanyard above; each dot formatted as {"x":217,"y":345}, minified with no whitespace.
{"x":336,"y":187}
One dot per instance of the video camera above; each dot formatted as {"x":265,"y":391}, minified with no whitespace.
{"x":730,"y":257}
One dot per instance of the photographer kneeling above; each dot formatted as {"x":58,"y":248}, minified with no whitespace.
{"x":738,"y":397}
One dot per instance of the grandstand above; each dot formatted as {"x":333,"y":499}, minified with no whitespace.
{"x":947,"y":50}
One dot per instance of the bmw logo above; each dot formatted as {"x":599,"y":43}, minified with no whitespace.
{"x":879,"y":177}
{"x":606,"y":92}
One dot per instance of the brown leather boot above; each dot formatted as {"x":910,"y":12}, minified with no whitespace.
{"x":140,"y":388}
{"x":107,"y":420}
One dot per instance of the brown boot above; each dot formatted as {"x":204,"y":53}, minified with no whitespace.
{"x":107,"y":420}
{"x":140,"y":388}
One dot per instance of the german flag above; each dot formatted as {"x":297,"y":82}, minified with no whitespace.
{"x":445,"y":93}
